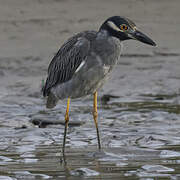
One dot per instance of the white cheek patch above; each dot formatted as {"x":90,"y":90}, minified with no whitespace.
{"x":135,"y":28}
{"x":113,"y":26}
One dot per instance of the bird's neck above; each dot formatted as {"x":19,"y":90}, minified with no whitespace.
{"x":102,"y":33}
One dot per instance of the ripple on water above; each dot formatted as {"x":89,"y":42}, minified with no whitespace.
{"x":84,"y":172}
{"x":157,"y":168}
{"x":28,"y":175}
{"x":7,"y":178}
{"x":135,"y":137}
{"x":169,"y":154}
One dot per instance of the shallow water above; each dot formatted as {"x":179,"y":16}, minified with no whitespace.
{"x":140,"y":139}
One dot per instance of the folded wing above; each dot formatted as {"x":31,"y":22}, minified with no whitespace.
{"x":66,"y":62}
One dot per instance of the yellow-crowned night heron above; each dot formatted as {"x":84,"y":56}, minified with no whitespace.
{"x":84,"y":62}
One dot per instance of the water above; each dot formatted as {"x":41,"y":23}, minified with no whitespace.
{"x":140,"y":139}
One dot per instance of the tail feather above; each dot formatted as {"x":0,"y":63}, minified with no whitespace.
{"x":51,"y":101}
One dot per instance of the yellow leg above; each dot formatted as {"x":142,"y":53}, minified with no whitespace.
{"x":95,"y":114}
{"x":66,"y":124}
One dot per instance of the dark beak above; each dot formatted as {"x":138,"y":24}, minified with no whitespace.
{"x":142,"y":37}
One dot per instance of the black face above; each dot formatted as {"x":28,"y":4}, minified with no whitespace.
{"x":124,"y":29}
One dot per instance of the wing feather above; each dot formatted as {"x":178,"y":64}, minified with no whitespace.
{"x":66,"y":61}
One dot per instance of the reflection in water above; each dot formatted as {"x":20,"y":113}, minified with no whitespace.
{"x":140,"y":140}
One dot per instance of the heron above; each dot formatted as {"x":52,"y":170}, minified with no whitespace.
{"x":84,"y":62}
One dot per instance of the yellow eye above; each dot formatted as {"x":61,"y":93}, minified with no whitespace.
{"x":123,"y":27}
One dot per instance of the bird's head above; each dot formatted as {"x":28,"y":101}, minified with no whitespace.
{"x":124,"y":29}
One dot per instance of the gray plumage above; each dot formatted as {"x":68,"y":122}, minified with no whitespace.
{"x":84,"y":62}
{"x":98,"y":51}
